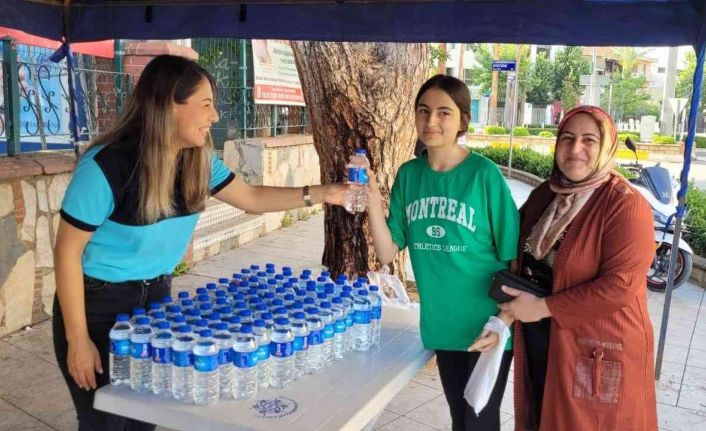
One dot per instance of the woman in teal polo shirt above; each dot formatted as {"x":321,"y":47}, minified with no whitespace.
{"x":452,"y":209}
{"x":129,"y":213}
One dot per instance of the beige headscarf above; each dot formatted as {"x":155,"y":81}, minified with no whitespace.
{"x":572,"y":196}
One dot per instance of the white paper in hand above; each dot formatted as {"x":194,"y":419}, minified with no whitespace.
{"x":482,"y":381}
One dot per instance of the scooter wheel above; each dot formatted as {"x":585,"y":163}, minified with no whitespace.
{"x":657,"y":275}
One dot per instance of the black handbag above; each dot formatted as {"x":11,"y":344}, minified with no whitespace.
{"x":513,"y":280}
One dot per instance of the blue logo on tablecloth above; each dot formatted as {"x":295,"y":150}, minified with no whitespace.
{"x":274,"y":408}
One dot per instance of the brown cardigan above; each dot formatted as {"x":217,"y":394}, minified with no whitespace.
{"x":599,"y":309}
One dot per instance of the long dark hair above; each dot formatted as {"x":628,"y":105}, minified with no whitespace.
{"x":147,"y":121}
{"x":457,"y":91}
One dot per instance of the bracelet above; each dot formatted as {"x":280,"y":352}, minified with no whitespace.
{"x":306,"y":196}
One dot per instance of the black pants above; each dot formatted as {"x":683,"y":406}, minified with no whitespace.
{"x":454,"y":369}
{"x":103,"y":301}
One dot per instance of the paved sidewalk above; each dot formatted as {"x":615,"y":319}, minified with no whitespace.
{"x":33,"y":395}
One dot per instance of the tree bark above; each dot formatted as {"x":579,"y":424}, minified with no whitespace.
{"x":441,"y":67}
{"x":360,"y":95}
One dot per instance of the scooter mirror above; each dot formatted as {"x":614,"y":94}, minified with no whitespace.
{"x":630,"y":144}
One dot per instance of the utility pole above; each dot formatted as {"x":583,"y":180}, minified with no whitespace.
{"x":493,"y":114}
{"x":666,"y":115}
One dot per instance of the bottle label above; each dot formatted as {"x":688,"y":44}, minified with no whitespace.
{"x":340,"y":326}
{"x":376,"y":313}
{"x":315,"y":337}
{"x":224,"y":356}
{"x":141,"y":350}
{"x":263,"y":352}
{"x":300,"y":343}
{"x":162,"y":355}
{"x":120,"y":347}
{"x":349,"y":320}
{"x":361,"y":317}
{"x":206,"y":363}
{"x":353,"y":174}
{"x":182,"y":358}
{"x":245,"y":359}
{"x":329,"y":331}
{"x":282,"y":350}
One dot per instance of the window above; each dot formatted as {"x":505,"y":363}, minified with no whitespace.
{"x":450,"y":71}
{"x":468,"y":76}
{"x":661,"y":70}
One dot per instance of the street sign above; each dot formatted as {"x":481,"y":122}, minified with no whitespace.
{"x":504,"y":66}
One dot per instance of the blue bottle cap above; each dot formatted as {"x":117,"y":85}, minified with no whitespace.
{"x":246,"y":328}
{"x":221,"y":301}
{"x":277,"y":303}
{"x":337,"y":300}
{"x":179,"y":318}
{"x":183,"y":294}
{"x":357,"y":285}
{"x":271,"y":282}
{"x":184,"y":329}
{"x":201,"y":291}
{"x":363,"y":279}
{"x":143,"y":321}
{"x":173,"y":309}
{"x":266,"y":315}
{"x":211,"y":286}
{"x":326,"y":274}
{"x":167,"y":299}
{"x":294,"y":280}
{"x":187,"y":303}
{"x":321,"y":279}
{"x":237,"y":276}
{"x":311,"y":284}
{"x":259,"y":323}
{"x":220,"y":293}
{"x":223,"y":280}
{"x":269,"y":265}
{"x":245,"y":313}
{"x":260,"y":307}
{"x":312,"y":310}
{"x":309,"y":301}
{"x":205,"y":306}
{"x":163,"y":325}
{"x":193,"y":312}
{"x":203,"y":298}
{"x":280,"y":310}
{"x":122,"y":317}
{"x":298,"y":315}
{"x":325,"y":304}
{"x":288,"y":297}
{"x":373,"y":288}
{"x":279,"y":277}
{"x":306,"y":271}
{"x":255,"y":267}
{"x":158,"y":315}
{"x":221,"y":326}
{"x":297,"y":305}
{"x":234,"y":320}
{"x":245,"y":271}
{"x":321,"y":295}
{"x":201,"y":323}
{"x":282,"y":321}
{"x":363,"y":292}
{"x":154,"y":306}
{"x":240,"y":305}
{"x":138,"y":311}
{"x":205,"y":333}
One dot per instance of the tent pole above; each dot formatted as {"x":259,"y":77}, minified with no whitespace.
{"x":700,"y":49}
{"x":73,"y":124}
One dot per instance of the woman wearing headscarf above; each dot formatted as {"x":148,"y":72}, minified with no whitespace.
{"x":583,"y":354}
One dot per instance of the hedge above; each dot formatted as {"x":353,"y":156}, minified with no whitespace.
{"x":471,"y":129}
{"x":700,"y":141}
{"x":495,"y":130}
{"x":635,"y":137}
{"x":664,"y":140}
{"x":545,"y":134}
{"x":535,"y":131}
{"x":521,"y":131}
{"x":541,"y":166}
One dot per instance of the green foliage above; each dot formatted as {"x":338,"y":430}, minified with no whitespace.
{"x":700,"y":141}
{"x":664,"y":140}
{"x":685,"y":80}
{"x":523,"y":159}
{"x":539,"y":82}
{"x":696,"y":220}
{"x":495,"y":130}
{"x":483,"y":74}
{"x":624,"y":172}
{"x":303,"y":214}
{"x":520,"y":131}
{"x":630,"y":97}
{"x":181,"y":269}
{"x":471,"y":129}
{"x":536,"y":130}
{"x":569,"y":65}
{"x":545,"y":134}
{"x":633,"y":136}
{"x":288,"y":219}
{"x":437,"y":55}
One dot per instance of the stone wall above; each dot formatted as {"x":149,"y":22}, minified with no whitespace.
{"x":31,"y":191}
{"x":283,"y":161}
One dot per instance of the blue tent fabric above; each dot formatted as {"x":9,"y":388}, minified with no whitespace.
{"x":566,"y":22}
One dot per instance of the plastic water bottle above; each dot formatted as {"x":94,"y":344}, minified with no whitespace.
{"x":162,"y":341}
{"x":287,"y":271}
{"x":244,"y":364}
{"x":357,"y":199}
{"x":119,"y":359}
{"x":361,"y":321}
{"x":375,"y":314}
{"x":300,"y":345}
{"x":339,"y":316}
{"x":152,"y":307}
{"x":157,"y":317}
{"x":182,"y":295}
{"x":136,"y":314}
{"x":166,"y":302}
{"x":329,"y":330}
{"x":178,"y":321}
{"x":141,"y":356}
{"x":183,"y":361}
{"x":262,"y":338}
{"x":206,"y":387}
{"x":224,"y":342}
{"x":282,"y":354}
{"x":211,"y":288}
{"x":315,"y":340}
{"x":348,"y":307}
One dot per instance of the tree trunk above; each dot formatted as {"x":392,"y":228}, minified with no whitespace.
{"x":493,"y":114}
{"x":360,"y":95}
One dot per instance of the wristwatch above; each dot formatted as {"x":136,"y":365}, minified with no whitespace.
{"x":306,"y":196}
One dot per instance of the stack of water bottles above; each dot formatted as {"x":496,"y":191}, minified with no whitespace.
{"x":258,"y":329}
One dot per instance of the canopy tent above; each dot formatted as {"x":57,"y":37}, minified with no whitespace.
{"x":553,"y":22}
